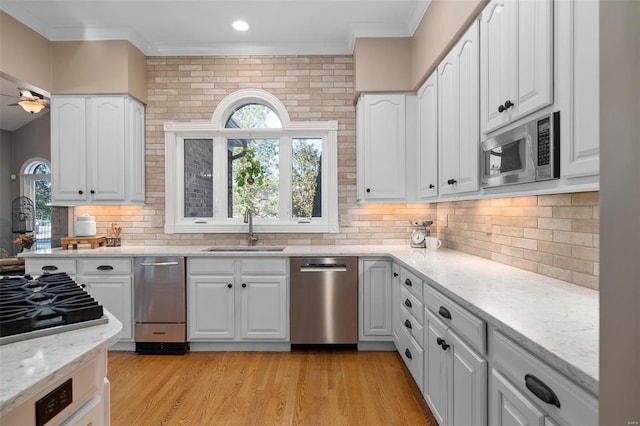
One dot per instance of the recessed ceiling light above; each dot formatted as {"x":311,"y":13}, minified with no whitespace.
{"x":240,"y":26}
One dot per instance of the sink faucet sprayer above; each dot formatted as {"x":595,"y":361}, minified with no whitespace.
{"x":252,"y":239}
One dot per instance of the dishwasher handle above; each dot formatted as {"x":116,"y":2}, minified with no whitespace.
{"x":322,"y":267}
{"x":158,"y":263}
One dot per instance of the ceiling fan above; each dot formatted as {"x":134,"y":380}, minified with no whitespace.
{"x":32,"y":102}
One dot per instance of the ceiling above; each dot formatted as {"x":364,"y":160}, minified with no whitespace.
{"x":203,"y":27}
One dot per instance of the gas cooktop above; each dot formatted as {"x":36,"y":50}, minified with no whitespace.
{"x":46,"y":305}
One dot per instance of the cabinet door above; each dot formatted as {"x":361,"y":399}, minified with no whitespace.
{"x":68,"y":150}
{"x":517,"y":60}
{"x":498,"y":36}
{"x":376,"y":298}
{"x":115,"y":293}
{"x":469,"y":384}
{"x":264,"y":308}
{"x":509,"y":407}
{"x":428,"y":123}
{"x":448,"y":145}
{"x":384,"y":147}
{"x":467,"y":79}
{"x":134,"y":177}
{"x":436,"y":370}
{"x":106,"y":148}
{"x":535,"y":57}
{"x":579,"y":88}
{"x":459,"y":141}
{"x":211,"y":310}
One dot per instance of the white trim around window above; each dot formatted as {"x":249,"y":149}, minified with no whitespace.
{"x":177,"y":132}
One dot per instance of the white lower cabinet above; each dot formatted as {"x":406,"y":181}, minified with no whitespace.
{"x":264,"y":309}
{"x":435,"y":388}
{"x":110,"y":282}
{"x":510,"y":407}
{"x":36,"y":267}
{"x":211,"y":307}
{"x":455,"y":378}
{"x":408,"y":321}
{"x":375,"y":299}
{"x":237,"y":299}
{"x":526,"y":390}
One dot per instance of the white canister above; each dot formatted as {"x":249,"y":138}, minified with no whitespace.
{"x":85,"y":226}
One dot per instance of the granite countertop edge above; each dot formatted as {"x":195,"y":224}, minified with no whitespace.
{"x":28,"y":366}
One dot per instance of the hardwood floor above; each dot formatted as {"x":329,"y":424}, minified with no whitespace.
{"x":264,"y":388}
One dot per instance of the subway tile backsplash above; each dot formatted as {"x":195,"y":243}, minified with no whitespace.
{"x":555,"y":235}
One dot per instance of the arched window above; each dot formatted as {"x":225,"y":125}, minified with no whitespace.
{"x":253,"y":116}
{"x":251,"y":158}
{"x":35,"y":183}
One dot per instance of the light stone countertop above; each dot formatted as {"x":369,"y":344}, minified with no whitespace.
{"x":28,"y":366}
{"x":556,"y":320}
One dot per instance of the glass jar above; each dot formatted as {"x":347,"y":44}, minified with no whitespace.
{"x":85,"y":226}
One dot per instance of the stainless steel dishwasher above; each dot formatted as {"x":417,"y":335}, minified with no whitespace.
{"x":324,"y":301}
{"x":160,"y":305}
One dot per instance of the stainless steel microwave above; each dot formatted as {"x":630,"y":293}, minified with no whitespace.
{"x":527,"y":153}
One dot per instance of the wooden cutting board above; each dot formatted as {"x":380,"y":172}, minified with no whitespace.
{"x":98,"y":240}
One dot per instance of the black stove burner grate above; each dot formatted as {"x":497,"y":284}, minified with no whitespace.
{"x":49,"y":301}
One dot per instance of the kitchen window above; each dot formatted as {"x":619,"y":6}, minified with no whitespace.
{"x":251,"y":156}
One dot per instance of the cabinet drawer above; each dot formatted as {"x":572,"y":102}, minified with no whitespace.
{"x":50,"y":266}
{"x":576,"y":406}
{"x":411,"y":282}
{"x":264,"y":267}
{"x":411,"y":326}
{"x":210,"y":266}
{"x":413,"y":356}
{"x":105,"y":266}
{"x":412,"y":304}
{"x":470,"y":327}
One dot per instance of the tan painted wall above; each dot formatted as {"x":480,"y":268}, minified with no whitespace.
{"x":25,"y":55}
{"x":81,"y":67}
{"x":137,"y":73}
{"x":442,"y":25}
{"x":382,"y":64}
{"x":402,"y":64}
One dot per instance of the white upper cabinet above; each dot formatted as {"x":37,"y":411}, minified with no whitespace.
{"x":516,"y":60}
{"x":382,"y":148}
{"x":459,"y":138}
{"x":428,"y":137}
{"x":106,"y":149}
{"x":68,"y":149}
{"x":97,"y":150}
{"x":579,"y":87}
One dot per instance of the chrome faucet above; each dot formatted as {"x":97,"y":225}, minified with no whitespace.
{"x":252,"y":238}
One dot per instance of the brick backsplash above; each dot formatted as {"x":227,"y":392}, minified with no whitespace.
{"x":555,"y":235}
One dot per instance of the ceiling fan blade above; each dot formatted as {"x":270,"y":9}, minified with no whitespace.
{"x":28,"y":94}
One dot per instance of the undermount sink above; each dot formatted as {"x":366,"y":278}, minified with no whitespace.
{"x":244,"y":248}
